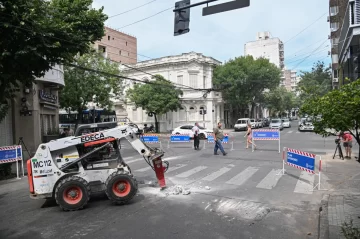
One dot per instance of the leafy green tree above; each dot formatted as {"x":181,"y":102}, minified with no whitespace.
{"x":317,"y":82}
{"x":339,"y":111}
{"x":36,"y":34}
{"x":83,"y":87}
{"x":157,"y":97}
{"x":246,"y":79}
{"x":275,"y":100}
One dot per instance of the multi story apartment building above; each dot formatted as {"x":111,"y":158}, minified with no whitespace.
{"x":267,"y":47}
{"x":344,"y":19}
{"x":190,"y":69}
{"x":118,"y":46}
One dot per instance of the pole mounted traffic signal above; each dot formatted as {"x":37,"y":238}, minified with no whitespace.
{"x":182,"y":18}
{"x":182,"y":12}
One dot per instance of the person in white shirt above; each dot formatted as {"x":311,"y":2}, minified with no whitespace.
{"x":195,"y":131}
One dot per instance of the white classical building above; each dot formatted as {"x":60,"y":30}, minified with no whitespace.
{"x":189,"y":69}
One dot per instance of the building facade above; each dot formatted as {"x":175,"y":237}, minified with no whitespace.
{"x":267,"y":47}
{"x":34,"y":113}
{"x":344,"y":19}
{"x":118,"y":46}
{"x":189,"y":69}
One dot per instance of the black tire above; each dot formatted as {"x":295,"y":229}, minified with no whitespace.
{"x":125,"y":195}
{"x":201,"y":136}
{"x":72,"y":193}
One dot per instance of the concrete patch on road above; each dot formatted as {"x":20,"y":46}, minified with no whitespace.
{"x":240,"y":209}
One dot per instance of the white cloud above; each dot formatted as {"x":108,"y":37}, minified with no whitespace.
{"x":223,"y":35}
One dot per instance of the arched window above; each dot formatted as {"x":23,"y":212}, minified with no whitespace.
{"x":192,"y":113}
{"x":182,"y":114}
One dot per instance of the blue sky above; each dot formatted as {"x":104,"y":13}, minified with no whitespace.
{"x":223,"y":35}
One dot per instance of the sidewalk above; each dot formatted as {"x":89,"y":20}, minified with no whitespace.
{"x":342,"y":201}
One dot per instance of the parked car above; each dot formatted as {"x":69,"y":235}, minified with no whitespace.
{"x":253,"y":123}
{"x":260,"y":123}
{"x":241,"y":124}
{"x":276,"y":124}
{"x":286,"y":123}
{"x":187,"y":129}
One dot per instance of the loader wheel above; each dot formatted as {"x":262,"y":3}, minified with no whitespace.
{"x":121,"y":187}
{"x":72,"y":193}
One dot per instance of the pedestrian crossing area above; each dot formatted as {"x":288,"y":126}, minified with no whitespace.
{"x":299,"y":182}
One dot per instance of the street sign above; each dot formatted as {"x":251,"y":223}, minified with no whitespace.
{"x":265,"y":134}
{"x":179,"y":138}
{"x":150,"y":138}
{"x":301,"y":160}
{"x":235,"y":4}
{"x":10,"y":154}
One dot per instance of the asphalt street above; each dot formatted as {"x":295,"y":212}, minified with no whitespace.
{"x":241,"y":195}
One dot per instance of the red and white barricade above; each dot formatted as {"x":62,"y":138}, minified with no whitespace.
{"x":10,"y":154}
{"x":304,"y":161}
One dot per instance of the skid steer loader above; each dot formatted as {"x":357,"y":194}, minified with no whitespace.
{"x":72,"y":168}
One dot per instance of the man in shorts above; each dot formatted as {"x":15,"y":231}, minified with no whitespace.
{"x":347,"y":139}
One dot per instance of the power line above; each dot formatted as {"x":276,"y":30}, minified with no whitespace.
{"x":302,"y":55}
{"x":309,"y":55}
{"x":131,"y":9}
{"x":183,"y":86}
{"x":303,"y":49}
{"x":146,"y":18}
{"x":306,"y":28}
{"x":134,"y":68}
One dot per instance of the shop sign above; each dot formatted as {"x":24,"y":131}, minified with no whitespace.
{"x":46,"y":96}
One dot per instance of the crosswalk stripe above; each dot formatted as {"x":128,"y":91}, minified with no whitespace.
{"x":298,"y":132}
{"x":216,"y":174}
{"x":176,"y":167}
{"x":271,"y":179}
{"x":191,"y":172}
{"x":305,"y":183}
{"x":133,"y":161}
{"x":243,"y":176}
{"x":290,"y":132}
{"x":126,"y":158}
{"x":143,"y":169}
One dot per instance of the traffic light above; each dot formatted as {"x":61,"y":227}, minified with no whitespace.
{"x":182,"y":18}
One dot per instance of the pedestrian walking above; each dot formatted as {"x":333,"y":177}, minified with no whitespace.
{"x":195,"y":131}
{"x":218,"y":137}
{"x":248,"y":135}
{"x":347,"y":139}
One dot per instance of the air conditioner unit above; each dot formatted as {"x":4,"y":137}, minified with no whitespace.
{"x":335,"y":79}
{"x":328,"y":19}
{"x":329,"y":37}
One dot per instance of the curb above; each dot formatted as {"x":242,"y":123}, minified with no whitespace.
{"x":323,"y":229}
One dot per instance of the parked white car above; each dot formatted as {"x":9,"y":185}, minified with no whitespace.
{"x":187,"y":130}
{"x":306,"y":125}
{"x":254,"y":124}
{"x":276,"y":124}
{"x":286,"y":123}
{"x":241,"y":124}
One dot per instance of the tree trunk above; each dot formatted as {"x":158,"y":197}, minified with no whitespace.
{"x":252,"y":110}
{"x":157,"y":129}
